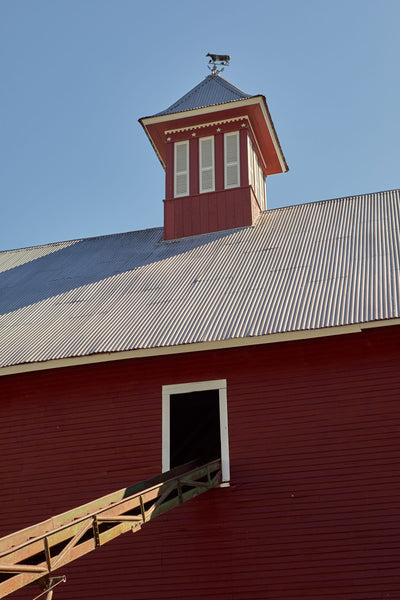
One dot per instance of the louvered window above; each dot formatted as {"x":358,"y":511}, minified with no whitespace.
{"x":181,"y":187}
{"x":206,"y":164}
{"x":250,"y":155}
{"x":256,"y":175}
{"x":232,"y":173}
{"x":261,"y":187}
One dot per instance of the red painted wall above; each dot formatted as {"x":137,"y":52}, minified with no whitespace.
{"x":313,"y":509}
{"x":208,"y":212}
{"x":214,"y":211}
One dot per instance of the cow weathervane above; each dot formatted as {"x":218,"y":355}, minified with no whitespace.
{"x":218,"y":60}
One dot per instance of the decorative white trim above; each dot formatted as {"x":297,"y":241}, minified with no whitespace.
{"x":206,"y":125}
{"x":274,"y":138}
{"x":289,"y":336}
{"x":235,"y":104}
{"x":201,"y":111}
{"x":213,"y":124}
{"x":254,"y":141}
{"x":169,"y":132}
{"x":197,"y":386}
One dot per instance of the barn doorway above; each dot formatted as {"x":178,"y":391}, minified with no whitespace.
{"x":194,"y":427}
{"x":195,"y":424}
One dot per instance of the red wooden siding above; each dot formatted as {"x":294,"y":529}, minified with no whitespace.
{"x":169,"y":171}
{"x":244,"y":160}
{"x":213,"y":211}
{"x":177,"y":129}
{"x":313,"y":509}
{"x":194,"y":178}
{"x":219,"y":161}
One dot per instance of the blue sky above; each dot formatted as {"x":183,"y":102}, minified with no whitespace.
{"x":76,"y":75}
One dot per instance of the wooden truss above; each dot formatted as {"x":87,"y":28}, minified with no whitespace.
{"x":33,"y":554}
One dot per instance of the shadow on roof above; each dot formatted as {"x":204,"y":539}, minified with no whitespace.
{"x":66,"y":268}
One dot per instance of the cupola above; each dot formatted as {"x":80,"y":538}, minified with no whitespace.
{"x":217,"y":145}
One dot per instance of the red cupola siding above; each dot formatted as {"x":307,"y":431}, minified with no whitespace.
{"x":217,"y":145}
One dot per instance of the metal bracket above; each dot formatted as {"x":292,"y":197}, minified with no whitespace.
{"x":47,"y":584}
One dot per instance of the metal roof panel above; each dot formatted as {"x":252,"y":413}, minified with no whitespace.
{"x":303,"y":267}
{"x":213,"y":90}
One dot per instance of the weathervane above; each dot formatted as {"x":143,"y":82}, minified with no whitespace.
{"x":218,"y":60}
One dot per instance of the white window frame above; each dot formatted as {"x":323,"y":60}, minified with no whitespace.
{"x":185,"y":172}
{"x":230,"y":164}
{"x":250,"y":155}
{"x":212,"y":168}
{"x":261,"y":185}
{"x":186,"y":388}
{"x":256,"y":175}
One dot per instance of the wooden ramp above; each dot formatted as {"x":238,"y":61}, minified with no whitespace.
{"x":32,"y":554}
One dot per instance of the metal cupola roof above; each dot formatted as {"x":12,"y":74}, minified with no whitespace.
{"x":216,"y":99}
{"x":213,"y":90}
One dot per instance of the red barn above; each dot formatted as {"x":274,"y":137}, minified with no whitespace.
{"x":266,"y":338}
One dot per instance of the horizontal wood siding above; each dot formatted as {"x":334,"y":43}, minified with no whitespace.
{"x":313,"y":507}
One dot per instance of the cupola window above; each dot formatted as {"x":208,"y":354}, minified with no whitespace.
{"x":232,"y":167}
{"x":256,"y":175}
{"x":181,"y":169}
{"x":206,"y":166}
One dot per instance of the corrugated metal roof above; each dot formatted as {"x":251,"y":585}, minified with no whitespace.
{"x":213,"y":90}
{"x":302,"y":267}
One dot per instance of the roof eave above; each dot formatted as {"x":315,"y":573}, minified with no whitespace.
{"x":197,"y":111}
{"x":149,"y":123}
{"x":155,"y":148}
{"x":288,"y":336}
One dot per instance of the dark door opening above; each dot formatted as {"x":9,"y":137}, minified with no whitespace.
{"x":194,"y":427}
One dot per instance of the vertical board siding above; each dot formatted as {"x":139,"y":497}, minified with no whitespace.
{"x":219,"y":161}
{"x":194,"y":180}
{"x":169,"y":171}
{"x":244,"y":161}
{"x":208,"y":212}
{"x":313,"y":507}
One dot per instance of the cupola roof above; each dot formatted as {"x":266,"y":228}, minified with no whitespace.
{"x":214,"y":100}
{"x":213,"y":90}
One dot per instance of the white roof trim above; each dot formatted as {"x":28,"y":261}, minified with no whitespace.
{"x":196,"y":347}
{"x":274,"y":138}
{"x":201,"y":111}
{"x":220,"y":107}
{"x":205,"y":125}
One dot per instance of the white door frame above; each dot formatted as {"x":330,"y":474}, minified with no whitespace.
{"x":197,"y":386}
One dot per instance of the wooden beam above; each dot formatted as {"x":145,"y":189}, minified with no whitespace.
{"x":68,"y":536}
